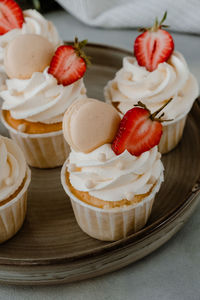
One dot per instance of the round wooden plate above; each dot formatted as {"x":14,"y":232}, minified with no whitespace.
{"x":50,"y":248}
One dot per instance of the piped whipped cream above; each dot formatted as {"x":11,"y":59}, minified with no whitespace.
{"x":109,"y":177}
{"x":171,"y":79}
{"x":12,"y":168}
{"x":34,"y":23}
{"x":40,"y":98}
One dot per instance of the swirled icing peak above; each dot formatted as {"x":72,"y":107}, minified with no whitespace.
{"x":114,"y":178}
{"x":171,"y":79}
{"x":40,"y":98}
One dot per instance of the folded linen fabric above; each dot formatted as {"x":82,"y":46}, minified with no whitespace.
{"x":183,"y":15}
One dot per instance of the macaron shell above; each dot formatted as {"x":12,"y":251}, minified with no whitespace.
{"x":91,"y":123}
{"x":26,"y":54}
{"x":73,"y":108}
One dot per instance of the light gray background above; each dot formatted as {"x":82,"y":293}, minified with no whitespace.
{"x":170,"y":273}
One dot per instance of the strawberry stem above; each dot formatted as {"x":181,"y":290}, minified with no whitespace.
{"x":157,"y":25}
{"x":78,"y":49}
{"x":153,"y":116}
{"x":140,"y":104}
{"x":163,"y":18}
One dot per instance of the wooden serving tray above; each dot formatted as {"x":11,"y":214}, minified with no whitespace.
{"x":50,"y":248}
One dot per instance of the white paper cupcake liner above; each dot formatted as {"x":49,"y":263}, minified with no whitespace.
{"x":110,"y":224}
{"x":12,"y":214}
{"x":47,"y":150}
{"x":172,"y":134}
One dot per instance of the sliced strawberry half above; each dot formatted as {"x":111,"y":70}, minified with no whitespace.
{"x":139,"y":131}
{"x":11,"y":16}
{"x":69,"y":63}
{"x":154,"y":46}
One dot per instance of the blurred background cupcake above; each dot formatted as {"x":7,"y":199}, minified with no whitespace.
{"x":15,"y":178}
{"x":22,"y":22}
{"x":42,"y":84}
{"x":155,"y":74}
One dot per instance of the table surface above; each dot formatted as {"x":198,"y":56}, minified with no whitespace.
{"x":171,"y":272}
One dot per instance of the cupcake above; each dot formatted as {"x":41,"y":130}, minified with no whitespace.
{"x":41,"y":86}
{"x":15,"y":22}
{"x":15,"y":178}
{"x":155,"y":74}
{"x":114,"y":169}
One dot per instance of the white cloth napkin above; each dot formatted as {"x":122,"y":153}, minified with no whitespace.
{"x":183,"y":15}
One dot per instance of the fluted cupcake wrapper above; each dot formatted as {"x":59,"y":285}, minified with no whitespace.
{"x":172,"y":134}
{"x":111,"y":224}
{"x":12,"y":214}
{"x":47,"y":150}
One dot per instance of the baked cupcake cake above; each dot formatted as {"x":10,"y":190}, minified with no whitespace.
{"x":155,"y":74}
{"x":14,"y":22}
{"x":15,"y":178}
{"x":41,"y":86}
{"x":114,"y":169}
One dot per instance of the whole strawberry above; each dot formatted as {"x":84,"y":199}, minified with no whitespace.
{"x":154,"y":46}
{"x":69,"y":63}
{"x":139,"y":130}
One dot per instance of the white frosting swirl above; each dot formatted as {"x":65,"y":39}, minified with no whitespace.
{"x":34,"y":23}
{"x":40,"y":98}
{"x":37,"y":24}
{"x":12,"y":167}
{"x":116,"y":177}
{"x":171,"y":79}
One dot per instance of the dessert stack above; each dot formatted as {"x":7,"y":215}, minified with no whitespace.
{"x":155,"y":74}
{"x":114,"y":169}
{"x":42,"y":83}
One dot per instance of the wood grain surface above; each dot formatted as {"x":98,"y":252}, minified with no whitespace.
{"x":50,"y":248}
